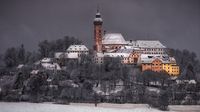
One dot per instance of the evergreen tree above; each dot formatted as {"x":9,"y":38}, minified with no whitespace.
{"x":44,"y":48}
{"x":21,"y":54}
{"x":10,"y":57}
{"x":163,"y":100}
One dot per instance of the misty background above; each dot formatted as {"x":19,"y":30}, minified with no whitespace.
{"x":176,"y":23}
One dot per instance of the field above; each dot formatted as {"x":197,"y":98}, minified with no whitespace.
{"x":84,"y":107}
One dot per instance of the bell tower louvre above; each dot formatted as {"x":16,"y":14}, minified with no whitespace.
{"x":98,"y":32}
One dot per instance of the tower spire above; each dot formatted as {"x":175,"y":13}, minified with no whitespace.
{"x":98,"y":31}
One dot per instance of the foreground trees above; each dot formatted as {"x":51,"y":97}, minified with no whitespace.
{"x":153,"y":78}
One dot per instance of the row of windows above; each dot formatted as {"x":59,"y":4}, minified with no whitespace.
{"x":157,"y":49}
{"x":172,"y":68}
{"x":126,"y":59}
{"x":166,"y":67}
{"x":153,"y":52}
{"x":157,"y":64}
{"x":166,"y":64}
{"x":115,"y":47}
{"x":153,"y":64}
{"x":79,"y":48}
{"x":98,"y":59}
{"x":175,"y":68}
{"x":160,"y":69}
{"x":157,"y":67}
{"x":175,"y":71}
{"x":77,"y":51}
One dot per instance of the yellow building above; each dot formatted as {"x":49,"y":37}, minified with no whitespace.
{"x":158,"y":65}
{"x":171,"y":68}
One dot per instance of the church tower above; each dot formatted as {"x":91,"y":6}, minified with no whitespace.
{"x":98,"y":32}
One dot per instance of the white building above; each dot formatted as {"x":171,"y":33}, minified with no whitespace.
{"x":48,"y":64}
{"x":151,"y":46}
{"x":73,"y":52}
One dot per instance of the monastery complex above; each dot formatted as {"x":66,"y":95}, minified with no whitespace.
{"x":147,"y":54}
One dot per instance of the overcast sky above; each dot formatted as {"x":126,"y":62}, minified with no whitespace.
{"x":176,"y":23}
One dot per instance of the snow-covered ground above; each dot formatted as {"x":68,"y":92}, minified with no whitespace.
{"x":84,"y":107}
{"x":185,"y":108}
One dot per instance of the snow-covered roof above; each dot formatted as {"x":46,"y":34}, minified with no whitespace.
{"x":178,"y":81}
{"x":154,"y":55}
{"x":20,"y":66}
{"x":77,"y":48}
{"x":51,"y":66}
{"x":124,"y":51}
{"x":115,"y":54}
{"x":131,"y":43}
{"x":113,"y":38}
{"x":98,"y":13}
{"x":148,"y":58}
{"x":132,"y":47}
{"x":34,"y":71}
{"x":46,"y":60}
{"x":153,"y":89}
{"x":98,"y":19}
{"x":149,"y":44}
{"x":59,"y":55}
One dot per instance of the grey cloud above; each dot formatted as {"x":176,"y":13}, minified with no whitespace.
{"x":174,"y":22}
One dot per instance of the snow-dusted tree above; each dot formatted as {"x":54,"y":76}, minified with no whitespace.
{"x":35,"y":85}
